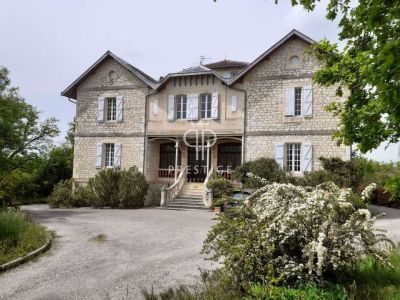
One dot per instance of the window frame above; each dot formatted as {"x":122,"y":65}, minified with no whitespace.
{"x":293,"y":157}
{"x":207,"y":105}
{"x":111,"y":110}
{"x":167,"y":155}
{"x":181,"y":107}
{"x":109,"y":155}
{"x":298,"y":94}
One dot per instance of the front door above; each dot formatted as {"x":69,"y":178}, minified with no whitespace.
{"x":197,"y":165}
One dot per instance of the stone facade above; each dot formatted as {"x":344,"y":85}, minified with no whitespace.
{"x":259,"y":119}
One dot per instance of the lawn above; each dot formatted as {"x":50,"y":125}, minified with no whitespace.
{"x":18,"y":235}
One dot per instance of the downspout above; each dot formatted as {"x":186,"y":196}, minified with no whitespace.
{"x":244,"y":121}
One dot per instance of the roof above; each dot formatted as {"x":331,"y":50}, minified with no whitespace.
{"x":70,"y":91}
{"x":196,"y":69}
{"x":223,"y":64}
{"x":293,"y":33}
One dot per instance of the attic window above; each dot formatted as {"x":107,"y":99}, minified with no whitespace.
{"x":112,"y":76}
{"x":294,"y":60}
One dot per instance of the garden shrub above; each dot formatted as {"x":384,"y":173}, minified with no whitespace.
{"x":104,"y":188}
{"x":62,"y":196}
{"x":132,"y":189}
{"x":221,"y":187}
{"x":266,"y":168}
{"x":300,"y":234}
{"x":392,"y":185}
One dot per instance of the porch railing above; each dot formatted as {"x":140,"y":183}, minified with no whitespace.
{"x":227,"y":174}
{"x":166,"y":173}
{"x":207,"y":195}
{"x":168,"y":194}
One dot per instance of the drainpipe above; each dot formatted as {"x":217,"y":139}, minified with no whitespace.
{"x":244,"y":121}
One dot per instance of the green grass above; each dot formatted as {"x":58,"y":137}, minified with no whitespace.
{"x":18,"y":235}
{"x":99,"y":238}
{"x":372,"y":280}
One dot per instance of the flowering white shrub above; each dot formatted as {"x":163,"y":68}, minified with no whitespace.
{"x":295,"y":233}
{"x":315,"y":230}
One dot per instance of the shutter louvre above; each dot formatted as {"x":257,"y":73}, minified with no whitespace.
{"x":117,"y":155}
{"x":100,"y":109}
{"x":214,"y":105}
{"x":234,"y":103}
{"x":171,"y":108}
{"x":307,"y":157}
{"x":120,"y":105}
{"x":192,"y":107}
{"x":289,"y":109}
{"x":155,"y":106}
{"x":279,"y":154}
{"x":308,"y":99}
{"x":99,"y":155}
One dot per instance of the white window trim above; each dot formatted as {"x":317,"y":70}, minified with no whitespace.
{"x":292,"y":171}
{"x":111,"y":157}
{"x":107,"y":99}
{"x":181,"y":98}
{"x":209,"y":100}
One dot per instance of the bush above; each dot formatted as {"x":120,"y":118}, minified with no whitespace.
{"x":109,"y":188}
{"x":392,"y":185}
{"x":221,"y":187}
{"x":18,"y":236}
{"x":300,"y":234}
{"x":266,"y":168}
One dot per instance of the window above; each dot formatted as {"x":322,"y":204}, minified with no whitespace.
{"x":293,"y":157}
{"x":109,"y":157}
{"x":167,"y":156}
{"x":181,"y":107}
{"x":297,"y":101}
{"x":111,"y":109}
{"x":206,"y":106}
{"x":294,"y":60}
{"x":229,"y":156}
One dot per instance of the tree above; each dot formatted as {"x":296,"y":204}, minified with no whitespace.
{"x":20,"y":129}
{"x":369,"y":65}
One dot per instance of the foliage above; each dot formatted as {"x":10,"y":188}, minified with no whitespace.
{"x":220,"y":187}
{"x":18,"y":236}
{"x":368,"y":65}
{"x":299,"y":234}
{"x":392,"y":185}
{"x":263,"y":167}
{"x":109,"y":188}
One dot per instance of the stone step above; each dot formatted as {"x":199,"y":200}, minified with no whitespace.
{"x":188,"y":201}
{"x":198,"y":194}
{"x":186,"y":206}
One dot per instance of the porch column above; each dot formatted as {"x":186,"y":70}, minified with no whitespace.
{"x":208,"y":156}
{"x":242,"y":148}
{"x":176,"y":158}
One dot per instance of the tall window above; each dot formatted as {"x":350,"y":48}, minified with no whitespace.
{"x":111,"y":109}
{"x":297,"y":101}
{"x":206,"y":106}
{"x":229,"y":156}
{"x":293,"y":157}
{"x":109,"y":157}
{"x":167,"y":156}
{"x":181,"y":107}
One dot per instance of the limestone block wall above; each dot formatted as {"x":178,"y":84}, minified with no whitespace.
{"x":322,"y":145}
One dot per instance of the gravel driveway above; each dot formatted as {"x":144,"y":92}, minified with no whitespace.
{"x":143,"y":247}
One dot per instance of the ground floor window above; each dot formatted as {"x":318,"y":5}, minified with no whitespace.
{"x":229,"y":156}
{"x":109,"y":155}
{"x":167,"y":156}
{"x":293,"y":157}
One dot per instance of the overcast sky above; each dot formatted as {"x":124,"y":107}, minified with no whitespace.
{"x":46,"y":45}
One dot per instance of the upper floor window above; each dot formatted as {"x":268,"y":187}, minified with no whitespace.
{"x":293,"y":157}
{"x":109,"y":155}
{"x":297,"y":101}
{"x":181,"y":103}
{"x":111,"y":109}
{"x":206,"y":106}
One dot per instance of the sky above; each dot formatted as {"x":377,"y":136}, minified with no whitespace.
{"x":46,"y":45}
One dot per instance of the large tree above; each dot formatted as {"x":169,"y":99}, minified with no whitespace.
{"x":369,"y":65}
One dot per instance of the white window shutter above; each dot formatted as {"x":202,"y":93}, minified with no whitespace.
{"x":155,"y":106}
{"x":307,"y":157}
{"x":307,"y":92}
{"x":279,"y":152}
{"x":120,"y":105}
{"x":171,"y":107}
{"x":214,"y":105}
{"x":234,"y":103}
{"x":117,"y":155}
{"x":100,"y":109}
{"x":289,"y":108}
{"x":99,"y":155}
{"x":192,"y":107}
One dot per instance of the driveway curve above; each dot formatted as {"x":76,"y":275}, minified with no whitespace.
{"x":142,"y":248}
